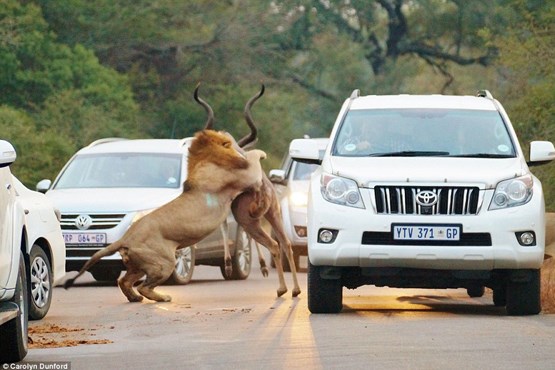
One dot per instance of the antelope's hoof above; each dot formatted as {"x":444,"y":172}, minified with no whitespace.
{"x":296,"y":292}
{"x":228,"y":271}
{"x":281,"y":291}
{"x":264,"y":271}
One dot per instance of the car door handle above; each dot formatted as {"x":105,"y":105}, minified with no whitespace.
{"x":8,"y":186}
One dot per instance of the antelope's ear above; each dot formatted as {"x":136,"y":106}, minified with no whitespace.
{"x":202,"y":137}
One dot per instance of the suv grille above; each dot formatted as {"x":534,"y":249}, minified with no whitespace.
{"x":99,"y":221}
{"x":451,"y":200}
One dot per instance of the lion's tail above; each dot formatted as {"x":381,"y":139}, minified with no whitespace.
{"x":107,"y":251}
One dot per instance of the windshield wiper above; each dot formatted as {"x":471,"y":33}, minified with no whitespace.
{"x":411,"y":153}
{"x":483,"y":155}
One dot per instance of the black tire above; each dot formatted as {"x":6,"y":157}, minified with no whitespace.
{"x":241,"y":261}
{"x":40,"y":284}
{"x":500,"y":297}
{"x":476,"y":291}
{"x":324,"y":295}
{"x":524,"y":294}
{"x":184,"y":266}
{"x":106,"y":274}
{"x":13,"y":334}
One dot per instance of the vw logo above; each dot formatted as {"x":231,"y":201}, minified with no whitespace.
{"x":83,"y":222}
{"x":426,"y":198}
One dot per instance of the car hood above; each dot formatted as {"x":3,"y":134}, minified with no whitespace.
{"x":425,"y":169}
{"x":110,"y":200}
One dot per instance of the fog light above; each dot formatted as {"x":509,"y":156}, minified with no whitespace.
{"x":326,"y":236}
{"x":526,"y":238}
{"x":301,"y":231}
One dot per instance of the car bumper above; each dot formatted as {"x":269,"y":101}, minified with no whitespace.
{"x":349,"y":249}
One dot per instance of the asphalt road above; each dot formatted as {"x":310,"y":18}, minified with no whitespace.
{"x":217,"y":324}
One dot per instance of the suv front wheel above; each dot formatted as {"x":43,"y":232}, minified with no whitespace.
{"x":324,"y":295}
{"x":523,"y":293}
{"x":13,"y":334}
{"x":40,"y":292}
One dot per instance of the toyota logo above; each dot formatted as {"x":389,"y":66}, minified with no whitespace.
{"x":83,"y":222}
{"x":426,"y":198}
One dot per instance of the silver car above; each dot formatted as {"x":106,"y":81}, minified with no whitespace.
{"x":110,"y":184}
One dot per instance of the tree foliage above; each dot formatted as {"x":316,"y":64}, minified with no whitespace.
{"x":79,"y":70}
{"x":56,"y":97}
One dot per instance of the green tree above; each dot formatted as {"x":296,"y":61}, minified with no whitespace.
{"x":60,"y":94}
{"x":527,"y":71}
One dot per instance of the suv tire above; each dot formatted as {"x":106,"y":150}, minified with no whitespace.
{"x":324,"y":295}
{"x":13,"y":335}
{"x":476,"y":291}
{"x":106,"y":274}
{"x":523,"y":293}
{"x":40,"y":286}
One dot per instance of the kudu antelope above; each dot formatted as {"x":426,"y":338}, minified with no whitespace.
{"x":217,"y":172}
{"x":251,"y":206}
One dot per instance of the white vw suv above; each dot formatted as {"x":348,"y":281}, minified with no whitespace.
{"x":425,"y":192}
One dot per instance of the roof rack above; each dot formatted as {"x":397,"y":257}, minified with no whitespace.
{"x":484,"y":94}
{"x":355,"y":94}
{"x":106,"y":140}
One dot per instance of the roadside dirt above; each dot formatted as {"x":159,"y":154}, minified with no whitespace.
{"x":52,"y":336}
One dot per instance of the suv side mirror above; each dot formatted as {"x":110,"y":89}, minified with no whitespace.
{"x":541,"y":152}
{"x":7,"y":153}
{"x":305,"y":150}
{"x":277,"y":176}
{"x":43,"y":185}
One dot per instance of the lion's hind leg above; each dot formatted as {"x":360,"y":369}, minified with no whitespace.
{"x":127,"y":281}
{"x":153,"y":279}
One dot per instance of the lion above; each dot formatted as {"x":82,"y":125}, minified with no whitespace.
{"x":218,"y":170}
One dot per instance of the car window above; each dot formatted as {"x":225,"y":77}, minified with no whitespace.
{"x":302,"y":171}
{"x":446,"y":132}
{"x":125,"y":170}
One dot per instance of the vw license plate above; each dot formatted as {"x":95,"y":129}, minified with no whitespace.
{"x":85,"y":238}
{"x":426,"y":232}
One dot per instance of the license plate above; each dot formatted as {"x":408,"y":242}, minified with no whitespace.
{"x":426,"y":232}
{"x":85,"y":238}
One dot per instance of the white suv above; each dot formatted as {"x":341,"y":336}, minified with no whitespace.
{"x":110,"y":184}
{"x":425,"y":192}
{"x":32,"y":258}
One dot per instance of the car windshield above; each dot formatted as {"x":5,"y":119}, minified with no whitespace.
{"x":424,"y":132}
{"x":122,"y":170}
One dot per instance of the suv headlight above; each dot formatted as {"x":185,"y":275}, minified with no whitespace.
{"x":298,"y":198}
{"x":340,"y":190}
{"x":512,"y":193}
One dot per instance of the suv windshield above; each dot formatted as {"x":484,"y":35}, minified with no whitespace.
{"x":122,"y":170}
{"x":423,"y":132}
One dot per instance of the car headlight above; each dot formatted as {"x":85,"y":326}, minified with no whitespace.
{"x":512,"y":193}
{"x":340,"y":190}
{"x":298,"y":199}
